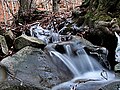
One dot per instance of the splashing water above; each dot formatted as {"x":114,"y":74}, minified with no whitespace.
{"x":68,"y":50}
{"x":85,"y":59}
{"x":117,"y":51}
{"x":76,"y":59}
{"x":78,"y":64}
{"x":67,"y":62}
{"x":81,"y":65}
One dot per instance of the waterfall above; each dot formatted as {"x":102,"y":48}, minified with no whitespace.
{"x":78,"y":64}
{"x":83,"y":66}
{"x":85,"y":60}
{"x":67,"y":62}
{"x":68,"y":50}
{"x":74,"y":56}
{"x":78,"y":61}
{"x":117,"y":51}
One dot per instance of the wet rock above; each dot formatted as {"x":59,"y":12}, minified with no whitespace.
{"x":1,"y":31}
{"x":111,"y":86}
{"x":34,"y":69}
{"x":24,"y":40}
{"x":117,"y":67}
{"x":3,"y":45}
{"x":85,"y":42}
{"x":12,"y":85}
{"x":60,"y":48}
{"x":3,"y":72}
{"x":102,"y":34}
{"x":9,"y":37}
{"x":94,"y":50}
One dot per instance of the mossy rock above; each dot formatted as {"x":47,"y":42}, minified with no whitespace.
{"x":101,"y":17}
{"x":24,"y":40}
{"x":104,"y":18}
{"x":118,"y":19}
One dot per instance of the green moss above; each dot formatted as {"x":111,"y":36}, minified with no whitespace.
{"x":89,"y":15}
{"x":118,"y":19}
{"x":101,"y":17}
{"x":104,"y":18}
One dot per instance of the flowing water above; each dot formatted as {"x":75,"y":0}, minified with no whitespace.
{"x":67,"y":61}
{"x":83,"y":67}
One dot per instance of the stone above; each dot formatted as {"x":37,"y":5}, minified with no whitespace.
{"x":2,"y":31}
{"x":24,"y":40}
{"x":117,"y":67}
{"x":85,"y":43}
{"x":9,"y":37}
{"x":111,"y":86}
{"x":100,"y":52}
{"x":31,"y":67}
{"x":3,"y":45}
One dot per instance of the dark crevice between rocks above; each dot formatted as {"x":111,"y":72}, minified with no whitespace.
{"x":60,"y":48}
{"x":105,"y":40}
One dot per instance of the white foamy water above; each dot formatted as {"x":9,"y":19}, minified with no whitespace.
{"x":83,"y":67}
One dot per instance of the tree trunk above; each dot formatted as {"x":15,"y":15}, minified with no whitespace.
{"x":25,"y":9}
{"x":55,"y":7}
{"x":4,"y":13}
{"x":25,"y":5}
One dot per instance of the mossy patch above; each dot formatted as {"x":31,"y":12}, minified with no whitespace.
{"x":118,"y":19}
{"x":104,"y":18}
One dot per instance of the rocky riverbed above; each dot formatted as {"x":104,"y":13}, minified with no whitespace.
{"x":27,"y":64}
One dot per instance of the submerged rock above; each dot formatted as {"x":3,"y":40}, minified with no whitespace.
{"x":117,"y":67}
{"x":24,"y":40}
{"x":32,"y":68}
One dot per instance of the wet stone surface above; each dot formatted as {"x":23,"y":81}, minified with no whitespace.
{"x":33,"y":67}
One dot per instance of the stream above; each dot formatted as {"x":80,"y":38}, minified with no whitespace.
{"x":87,"y":72}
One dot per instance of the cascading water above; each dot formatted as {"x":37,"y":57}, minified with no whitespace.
{"x":68,"y":50}
{"x":85,"y":60}
{"x":81,"y":65}
{"x":67,"y":62}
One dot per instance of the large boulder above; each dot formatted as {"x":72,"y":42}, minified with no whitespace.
{"x":24,"y":40}
{"x":32,"y":68}
{"x":111,"y":86}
